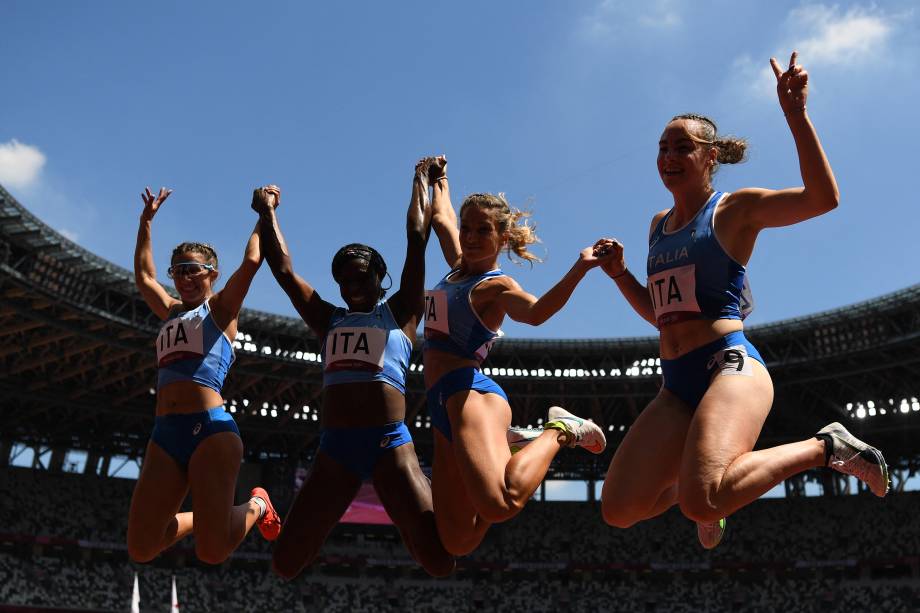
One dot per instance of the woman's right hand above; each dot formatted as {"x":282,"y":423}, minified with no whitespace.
{"x":611,"y":250}
{"x":152,"y":203}
{"x":422,"y":170}
{"x":264,"y":199}
{"x":437,"y":169}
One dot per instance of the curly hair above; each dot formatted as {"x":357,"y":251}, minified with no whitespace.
{"x":509,"y":219}
{"x":730,"y":149}
{"x":204,"y":249}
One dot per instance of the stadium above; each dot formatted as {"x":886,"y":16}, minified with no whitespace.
{"x":77,"y":409}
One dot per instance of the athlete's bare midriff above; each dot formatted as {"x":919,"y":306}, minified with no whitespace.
{"x":362,"y":404}
{"x":680,"y":337}
{"x":186,"y":397}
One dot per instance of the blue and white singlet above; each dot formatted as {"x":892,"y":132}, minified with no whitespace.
{"x":690,"y":276}
{"x":190,"y":347}
{"x":451,"y":323}
{"x":366,"y":347}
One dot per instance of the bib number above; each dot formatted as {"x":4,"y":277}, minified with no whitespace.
{"x":673,"y":291}
{"x":355,"y":349}
{"x":180,"y":339}
{"x":436,"y":323}
{"x":732,"y":360}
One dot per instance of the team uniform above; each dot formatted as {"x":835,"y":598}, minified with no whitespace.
{"x":690,"y":276}
{"x":361,"y":347}
{"x":191,"y":347}
{"x":452,"y":326}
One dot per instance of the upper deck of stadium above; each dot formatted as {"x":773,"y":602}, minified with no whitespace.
{"x":76,"y":363}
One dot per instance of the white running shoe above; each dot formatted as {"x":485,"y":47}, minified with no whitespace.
{"x":583,"y":432}
{"x":518,"y":438}
{"x":851,"y":456}
{"x":710,"y":533}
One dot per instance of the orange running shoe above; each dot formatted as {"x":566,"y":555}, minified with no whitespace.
{"x":269,"y":524}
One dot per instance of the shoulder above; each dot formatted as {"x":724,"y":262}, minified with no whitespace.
{"x":656,"y":219}
{"x":743,"y":196}
{"x":501,"y":282}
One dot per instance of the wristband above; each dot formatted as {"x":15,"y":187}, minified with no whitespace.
{"x":617,"y":276}
{"x":798,"y":109}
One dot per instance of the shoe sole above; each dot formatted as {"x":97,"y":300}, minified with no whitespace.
{"x":722,"y":527}
{"x":837,"y":429}
{"x":561,"y":413}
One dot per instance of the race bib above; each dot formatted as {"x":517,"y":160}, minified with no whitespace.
{"x":355,"y":349}
{"x":732,"y":360}
{"x":436,"y":323}
{"x":180,"y":339}
{"x":673,"y":291}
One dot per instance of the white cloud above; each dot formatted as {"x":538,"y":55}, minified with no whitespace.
{"x":613,"y":17}
{"x":824,"y":36}
{"x":20,"y":164}
{"x":830,"y":37}
{"x":69,"y":234}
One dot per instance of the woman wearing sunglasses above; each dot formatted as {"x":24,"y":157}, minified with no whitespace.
{"x":195,"y":445}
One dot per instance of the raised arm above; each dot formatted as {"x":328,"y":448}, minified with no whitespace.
{"x":408,"y":302}
{"x":755,"y":209}
{"x":145,"y":273}
{"x":226,"y":303}
{"x":443,"y":216}
{"x":526,"y":308}
{"x":614,"y":265}
{"x":315,"y":311}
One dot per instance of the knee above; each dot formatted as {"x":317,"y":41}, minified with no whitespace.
{"x":140,"y":551}
{"x":697,"y":506}
{"x":141,"y":554}
{"x":211,"y":553}
{"x":295,"y":550}
{"x":287,"y":566}
{"x":437,"y":563}
{"x":284,"y":569}
{"x":500,"y":505}
{"x":619,"y":516}
{"x":431,"y":555}
{"x":460,"y":545}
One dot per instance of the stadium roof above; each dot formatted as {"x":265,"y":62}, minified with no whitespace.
{"x":77,"y":368}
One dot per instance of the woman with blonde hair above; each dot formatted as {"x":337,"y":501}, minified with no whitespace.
{"x":476,"y":480}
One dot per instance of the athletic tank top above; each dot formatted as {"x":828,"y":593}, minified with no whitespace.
{"x":190,"y":347}
{"x":451,"y":324}
{"x":690,"y":276}
{"x":366,"y":347}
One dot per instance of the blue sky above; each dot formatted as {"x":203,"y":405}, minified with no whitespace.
{"x":560,"y":105}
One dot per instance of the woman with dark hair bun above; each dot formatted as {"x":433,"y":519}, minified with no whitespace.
{"x":366,"y":349}
{"x":195,"y":445}
{"x":692,"y":445}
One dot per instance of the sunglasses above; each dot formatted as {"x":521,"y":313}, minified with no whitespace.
{"x":188,"y":269}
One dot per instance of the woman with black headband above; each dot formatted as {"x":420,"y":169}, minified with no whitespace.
{"x":366,"y":349}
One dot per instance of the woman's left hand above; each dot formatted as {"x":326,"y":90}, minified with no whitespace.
{"x":266,"y":198}
{"x":791,"y":85}
{"x":604,"y":252}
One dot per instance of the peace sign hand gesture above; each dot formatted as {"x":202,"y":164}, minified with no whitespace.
{"x":152,"y":203}
{"x":791,"y":85}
